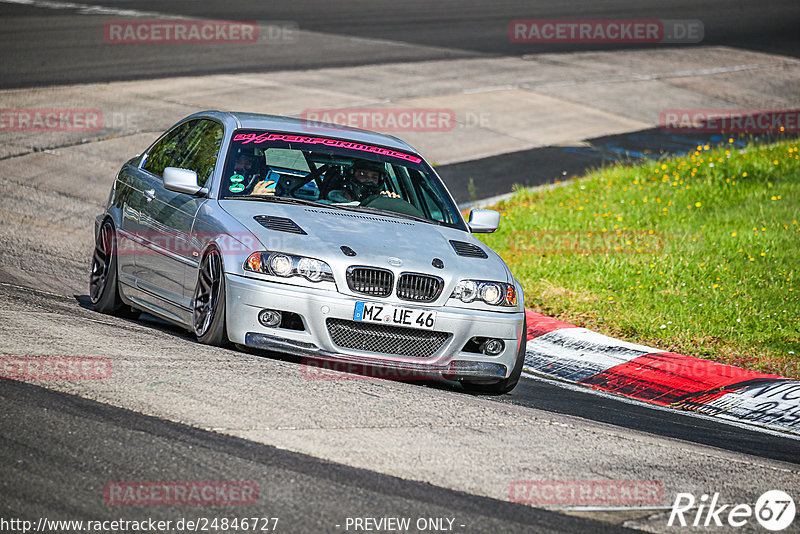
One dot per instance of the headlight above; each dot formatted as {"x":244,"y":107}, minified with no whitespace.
{"x":493,"y":293}
{"x":466,"y":290}
{"x":312,"y":269}
{"x":287,"y":265}
{"x":281,"y":264}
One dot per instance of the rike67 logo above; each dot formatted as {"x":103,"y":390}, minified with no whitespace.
{"x":774,"y":510}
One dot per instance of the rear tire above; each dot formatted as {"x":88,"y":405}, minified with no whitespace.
{"x":506,"y":385}
{"x":103,"y":286}
{"x":208,"y":308}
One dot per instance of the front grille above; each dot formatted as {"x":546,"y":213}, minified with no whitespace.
{"x":385,"y":339}
{"x":279,"y":224}
{"x":370,"y":281}
{"x":468,"y":250}
{"x":419,"y":287}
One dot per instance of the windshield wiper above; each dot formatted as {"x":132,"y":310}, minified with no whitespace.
{"x":304,"y":202}
{"x":284,"y":200}
{"x":389,"y":213}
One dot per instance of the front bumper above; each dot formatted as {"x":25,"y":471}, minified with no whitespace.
{"x":246,"y":297}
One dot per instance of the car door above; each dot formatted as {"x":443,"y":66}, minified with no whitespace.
{"x":165,"y":219}
{"x":199,"y":153}
{"x":140,"y":188}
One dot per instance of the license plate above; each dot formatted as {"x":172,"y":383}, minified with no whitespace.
{"x":373,"y":312}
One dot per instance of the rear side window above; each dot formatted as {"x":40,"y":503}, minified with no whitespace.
{"x":200,"y":149}
{"x":165,"y":153}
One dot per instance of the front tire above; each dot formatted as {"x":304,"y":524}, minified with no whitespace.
{"x":103,"y":286}
{"x":208,"y":308}
{"x":506,"y":385}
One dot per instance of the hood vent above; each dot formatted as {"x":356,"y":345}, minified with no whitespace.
{"x":468,"y":250}
{"x":358,"y":216}
{"x":279,"y":224}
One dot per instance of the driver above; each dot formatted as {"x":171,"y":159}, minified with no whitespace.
{"x":247,"y":165}
{"x":364,"y":179}
{"x":246,"y":169}
{"x":245,"y":162}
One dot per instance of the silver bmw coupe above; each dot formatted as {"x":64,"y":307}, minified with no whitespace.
{"x":329,"y":243}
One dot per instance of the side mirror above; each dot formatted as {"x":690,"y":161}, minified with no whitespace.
{"x":181,"y":181}
{"x":483,"y":221}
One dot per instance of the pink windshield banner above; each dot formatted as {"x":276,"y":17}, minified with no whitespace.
{"x":259,"y":138}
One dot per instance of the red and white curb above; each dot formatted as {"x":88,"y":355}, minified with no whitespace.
{"x":565,"y":352}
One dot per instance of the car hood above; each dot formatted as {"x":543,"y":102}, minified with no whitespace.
{"x":376,"y":239}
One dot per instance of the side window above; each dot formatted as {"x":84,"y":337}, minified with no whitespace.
{"x":200,"y":149}
{"x":165,"y":152}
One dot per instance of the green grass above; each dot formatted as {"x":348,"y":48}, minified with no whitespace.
{"x":696,"y":254}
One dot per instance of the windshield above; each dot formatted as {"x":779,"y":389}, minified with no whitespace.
{"x":336,"y":173}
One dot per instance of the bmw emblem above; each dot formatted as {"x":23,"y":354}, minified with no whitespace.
{"x":395,"y":262}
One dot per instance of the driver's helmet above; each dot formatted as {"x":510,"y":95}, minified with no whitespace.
{"x":245,"y":162}
{"x":366,"y":178}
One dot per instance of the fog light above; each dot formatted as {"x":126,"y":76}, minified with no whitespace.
{"x":269,"y":318}
{"x":492,"y":347}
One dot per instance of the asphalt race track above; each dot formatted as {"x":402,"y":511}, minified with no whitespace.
{"x":307,"y":494}
{"x":44,"y":46}
{"x":60,"y":449}
{"x":322,"y":452}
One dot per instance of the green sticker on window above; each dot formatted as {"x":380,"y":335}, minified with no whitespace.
{"x":236,"y":188}
{"x":236,"y":178}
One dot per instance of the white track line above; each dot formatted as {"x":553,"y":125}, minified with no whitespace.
{"x":89,"y":9}
{"x":617,"y":508}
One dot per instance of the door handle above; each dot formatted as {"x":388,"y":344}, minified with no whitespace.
{"x":150,"y":194}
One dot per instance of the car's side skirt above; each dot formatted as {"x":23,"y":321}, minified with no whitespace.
{"x":156,"y":305}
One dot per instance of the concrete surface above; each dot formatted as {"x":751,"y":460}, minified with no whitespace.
{"x":555,"y":99}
